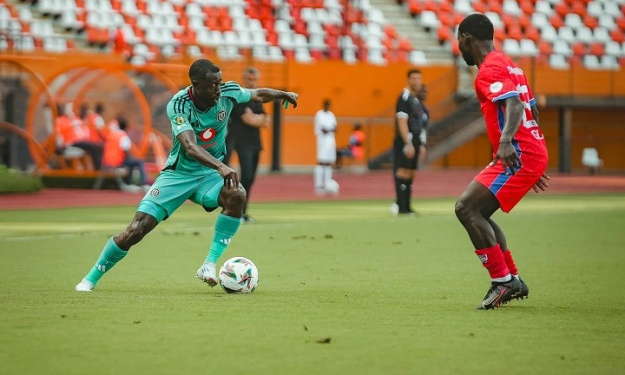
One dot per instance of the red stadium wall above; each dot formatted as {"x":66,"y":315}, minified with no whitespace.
{"x":367,"y":94}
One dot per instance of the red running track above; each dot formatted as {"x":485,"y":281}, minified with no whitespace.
{"x":299,"y":187}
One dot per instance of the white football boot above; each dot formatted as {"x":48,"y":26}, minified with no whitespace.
{"x":207,"y":274}
{"x":84,"y":286}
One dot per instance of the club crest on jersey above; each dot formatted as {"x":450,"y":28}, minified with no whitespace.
{"x":179,"y":120}
{"x":155,"y":192}
{"x":221,"y":115}
{"x":496,"y":87}
{"x":207,"y":134}
{"x":483,"y":258}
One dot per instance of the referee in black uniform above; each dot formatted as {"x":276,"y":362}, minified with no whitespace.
{"x":246,"y":121}
{"x":409,"y":140}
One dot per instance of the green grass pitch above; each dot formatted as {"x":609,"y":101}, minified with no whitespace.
{"x":391,"y":295}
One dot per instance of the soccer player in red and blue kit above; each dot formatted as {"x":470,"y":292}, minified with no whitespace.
{"x":519,"y":160}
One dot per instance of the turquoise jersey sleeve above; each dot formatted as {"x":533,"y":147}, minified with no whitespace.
{"x":178,"y":113}
{"x":232,"y":90}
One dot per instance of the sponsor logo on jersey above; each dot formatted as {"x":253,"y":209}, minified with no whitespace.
{"x":496,"y":87}
{"x":221,"y":115}
{"x":155,"y":192}
{"x":208,"y":134}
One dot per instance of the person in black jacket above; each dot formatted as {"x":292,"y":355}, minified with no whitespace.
{"x":246,"y":121}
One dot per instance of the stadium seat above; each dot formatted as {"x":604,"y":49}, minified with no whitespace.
{"x":609,"y":63}
{"x":511,"y":7}
{"x":594,"y":8}
{"x":613,"y":48}
{"x":561,"y":47}
{"x":543,"y":7}
{"x":528,"y":47}
{"x":579,"y":49}
{"x":591,"y":62}
{"x":545,"y":48}
{"x":584,"y":34}
{"x":511,"y":47}
{"x":591,"y":160}
{"x":558,"y":62}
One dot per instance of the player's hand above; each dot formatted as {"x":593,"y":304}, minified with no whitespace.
{"x":409,"y":150}
{"x":231,"y":178}
{"x":290,"y":97}
{"x":508,"y":156}
{"x":542,"y":183}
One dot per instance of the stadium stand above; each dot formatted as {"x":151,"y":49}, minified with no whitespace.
{"x":561,"y":32}
{"x":270,"y":30}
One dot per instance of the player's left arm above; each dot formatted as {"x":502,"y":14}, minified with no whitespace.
{"x":506,"y":151}
{"x":535,"y":113}
{"x":265,"y":95}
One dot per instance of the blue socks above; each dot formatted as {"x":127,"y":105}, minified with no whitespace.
{"x":225,"y":228}
{"x":111,"y":254}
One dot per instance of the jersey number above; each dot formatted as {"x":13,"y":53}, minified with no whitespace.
{"x":527,"y":110}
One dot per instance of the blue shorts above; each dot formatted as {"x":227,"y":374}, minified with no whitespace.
{"x":171,"y":189}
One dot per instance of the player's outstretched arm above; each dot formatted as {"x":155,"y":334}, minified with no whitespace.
{"x":193,"y":150}
{"x":266,"y":95}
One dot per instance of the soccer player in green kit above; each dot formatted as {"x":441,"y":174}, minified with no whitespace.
{"x":199,"y":117}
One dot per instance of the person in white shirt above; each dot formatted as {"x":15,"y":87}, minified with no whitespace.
{"x":325,"y":126}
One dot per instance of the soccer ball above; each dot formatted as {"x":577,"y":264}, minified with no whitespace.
{"x":332,"y":186}
{"x":238,"y":275}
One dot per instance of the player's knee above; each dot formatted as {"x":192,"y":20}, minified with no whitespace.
{"x":134,"y":233}
{"x":235,"y":199}
{"x":463,"y":210}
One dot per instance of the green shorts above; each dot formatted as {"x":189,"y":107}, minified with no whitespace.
{"x":171,"y":189}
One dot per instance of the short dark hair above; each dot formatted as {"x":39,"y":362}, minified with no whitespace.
{"x":478,"y":26}
{"x":413,"y":71}
{"x":200,"y":69}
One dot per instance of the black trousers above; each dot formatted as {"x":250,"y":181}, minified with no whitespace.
{"x":248,"y":159}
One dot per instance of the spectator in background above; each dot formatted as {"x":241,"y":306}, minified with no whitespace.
{"x":243,"y":137}
{"x":325,"y":127}
{"x":66,"y":137}
{"x":117,"y":150}
{"x":83,"y":134}
{"x":96,"y":124}
{"x":354,"y":149}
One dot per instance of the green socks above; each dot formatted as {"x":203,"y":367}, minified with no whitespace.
{"x":225,"y":228}
{"x":111,"y":254}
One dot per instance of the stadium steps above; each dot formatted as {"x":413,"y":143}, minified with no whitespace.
{"x":408,"y":28}
{"x":455,"y":130}
{"x":446,"y":135}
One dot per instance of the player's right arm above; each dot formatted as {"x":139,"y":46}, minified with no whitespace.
{"x":403,"y":113}
{"x":193,"y":150}
{"x":177,"y":111}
